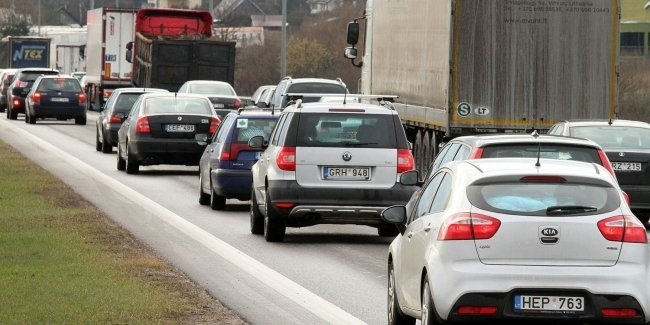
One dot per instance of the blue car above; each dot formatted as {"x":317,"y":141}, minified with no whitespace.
{"x":225,"y":167}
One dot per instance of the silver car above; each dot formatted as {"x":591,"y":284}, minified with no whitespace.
{"x":517,"y":239}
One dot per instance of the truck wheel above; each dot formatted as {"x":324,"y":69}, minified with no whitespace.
{"x":274,"y":227}
{"x":132,"y":166}
{"x":257,"y":219}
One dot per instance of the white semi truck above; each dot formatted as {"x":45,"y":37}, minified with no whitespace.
{"x":475,"y":66}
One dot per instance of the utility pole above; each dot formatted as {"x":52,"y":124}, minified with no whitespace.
{"x":283,"y":42}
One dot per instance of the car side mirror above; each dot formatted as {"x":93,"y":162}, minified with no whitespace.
{"x":410,"y":178}
{"x":350,"y":53}
{"x":258,"y":142}
{"x":396,"y":215}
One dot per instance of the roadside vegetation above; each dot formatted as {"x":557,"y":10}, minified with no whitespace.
{"x":63,"y":262}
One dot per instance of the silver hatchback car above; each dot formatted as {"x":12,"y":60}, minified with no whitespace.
{"x":518,"y":239}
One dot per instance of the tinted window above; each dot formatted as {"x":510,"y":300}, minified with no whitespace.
{"x":546,"y":150}
{"x":177,"y":105}
{"x":346,"y":130}
{"x":614,"y":137}
{"x":125,"y":102}
{"x":275,"y":136}
{"x":59,"y":84}
{"x":442,"y":195}
{"x":247,"y":128}
{"x":212,"y":89}
{"x":313,"y":88}
{"x":427,"y":195}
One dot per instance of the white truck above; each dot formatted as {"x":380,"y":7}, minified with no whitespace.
{"x":475,"y":66}
{"x":70,"y":58}
{"x":109,"y":30}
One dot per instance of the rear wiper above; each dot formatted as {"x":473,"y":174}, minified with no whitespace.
{"x":568,"y":209}
{"x":359,"y":144}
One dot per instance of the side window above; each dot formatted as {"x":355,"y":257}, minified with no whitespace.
{"x":442,"y":195}
{"x":222,"y":133}
{"x":447,"y":154}
{"x":462,"y":153}
{"x":557,"y":129}
{"x":427,"y":195}
{"x":275,"y":136}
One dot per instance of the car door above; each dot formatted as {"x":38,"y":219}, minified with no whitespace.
{"x":260,"y":168}
{"x":413,"y":246}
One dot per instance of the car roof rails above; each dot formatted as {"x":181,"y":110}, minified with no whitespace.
{"x":384,"y":100}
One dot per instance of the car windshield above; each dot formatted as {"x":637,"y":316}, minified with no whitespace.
{"x":614,"y":137}
{"x":32,"y":76}
{"x":212,"y":89}
{"x":175,"y":105}
{"x":59,"y":84}
{"x":546,"y":150}
{"x":543,"y":199}
{"x":346,"y":130}
{"x":247,"y":128}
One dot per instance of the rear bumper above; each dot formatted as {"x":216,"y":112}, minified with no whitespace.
{"x":154,"y":151}
{"x":232,"y":183}
{"x":335,"y":205}
{"x":66,"y":112}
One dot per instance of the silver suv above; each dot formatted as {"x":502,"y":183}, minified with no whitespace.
{"x":329,"y":163}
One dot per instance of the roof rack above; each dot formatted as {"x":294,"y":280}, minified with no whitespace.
{"x":384,"y":100}
{"x":253,"y":109}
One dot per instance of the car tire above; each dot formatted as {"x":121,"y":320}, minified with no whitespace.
{"x":26,"y":118}
{"x":106,"y":147}
{"x":32,"y":119}
{"x":204,"y":199}
{"x":429,"y":316}
{"x":81,"y":120}
{"x":98,"y":145}
{"x":257,"y":219}
{"x":132,"y":166}
{"x":274,"y":227}
{"x":217,"y":202}
{"x":387,"y":230}
{"x":12,"y":114}
{"x":395,"y":316}
{"x":121,"y":163}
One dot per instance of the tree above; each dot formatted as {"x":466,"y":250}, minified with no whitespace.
{"x":308,"y":58}
{"x":17,"y":28}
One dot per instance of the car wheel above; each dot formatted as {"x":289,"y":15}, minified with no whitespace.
{"x":106,"y":147}
{"x":81,"y":120}
{"x":395,"y":316}
{"x":121,"y":163}
{"x":132,"y":166}
{"x":7,"y":112}
{"x":26,"y":118}
{"x":387,"y":230}
{"x":98,"y":145}
{"x":257,"y":219}
{"x":428,"y":311}
{"x":13,"y":115}
{"x":217,"y":202}
{"x":204,"y":199}
{"x":274,"y":228}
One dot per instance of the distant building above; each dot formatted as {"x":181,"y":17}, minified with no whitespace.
{"x":635,"y":27}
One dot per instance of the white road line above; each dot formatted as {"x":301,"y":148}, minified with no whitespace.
{"x":283,"y":285}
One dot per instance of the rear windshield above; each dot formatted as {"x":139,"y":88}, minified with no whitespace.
{"x":544,"y":199}
{"x":60,"y":84}
{"x":32,"y":76}
{"x":171,"y":105}
{"x":212,"y":89}
{"x":247,"y":128}
{"x":313,"y":88}
{"x":125,"y":102}
{"x":614,"y":137}
{"x":546,"y":150}
{"x":346,"y":130}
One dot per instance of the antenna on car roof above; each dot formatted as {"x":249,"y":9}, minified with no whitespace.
{"x":535,"y":135}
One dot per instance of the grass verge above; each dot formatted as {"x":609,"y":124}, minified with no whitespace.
{"x":63,"y":262}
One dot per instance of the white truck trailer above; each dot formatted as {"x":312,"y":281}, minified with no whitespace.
{"x":70,"y":58}
{"x":475,"y":66}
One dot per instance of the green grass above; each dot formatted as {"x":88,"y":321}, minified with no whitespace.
{"x":61,"y":261}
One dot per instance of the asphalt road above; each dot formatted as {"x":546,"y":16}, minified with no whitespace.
{"x":319,"y":275}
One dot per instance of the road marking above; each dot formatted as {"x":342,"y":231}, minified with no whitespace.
{"x":320,"y":307}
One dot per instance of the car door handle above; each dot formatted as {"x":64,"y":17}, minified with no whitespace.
{"x":410,"y":234}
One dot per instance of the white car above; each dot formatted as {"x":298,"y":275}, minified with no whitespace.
{"x":517,"y":239}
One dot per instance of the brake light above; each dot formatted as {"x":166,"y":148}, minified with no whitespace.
{"x":82,"y":98}
{"x":142,"y":125}
{"x":618,"y":312}
{"x":231,"y":151}
{"x":476,"y":153}
{"x":36,"y":98}
{"x":16,"y":103}
{"x":477,"y":310}
{"x":214,"y":125}
{"x":237,"y":103}
{"x":606,"y":163}
{"x":405,"y":161}
{"x":114,"y":119}
{"x":468,"y":226}
{"x":542,"y":179}
{"x":627,"y":229}
{"x":286,"y":158}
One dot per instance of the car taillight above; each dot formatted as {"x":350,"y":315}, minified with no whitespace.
{"x":36,"y":98}
{"x":214,"y":125}
{"x":619,"y":312}
{"x":468,"y":226}
{"x":16,"y":103}
{"x":231,"y":151}
{"x":477,"y":310}
{"x":476,"y":153}
{"x":606,"y":163}
{"x":114,"y":119}
{"x":286,"y":158}
{"x":405,"y":161}
{"x":82,"y":98}
{"x":237,"y":103}
{"x":142,"y":125}
{"x":627,"y":229}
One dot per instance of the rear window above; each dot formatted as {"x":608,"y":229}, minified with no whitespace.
{"x":125,"y":102}
{"x":614,"y":137}
{"x":59,"y":84}
{"x":544,"y":199}
{"x":346,"y":130}
{"x":546,"y":150}
{"x":246,"y":128}
{"x":172,"y":105}
{"x":313,"y":88}
{"x":212,"y":89}
{"x":32,"y":76}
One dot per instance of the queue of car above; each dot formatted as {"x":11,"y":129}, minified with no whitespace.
{"x":503,"y":227}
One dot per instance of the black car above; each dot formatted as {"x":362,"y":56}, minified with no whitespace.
{"x":165,"y":128}
{"x":225,"y":167}
{"x":627,"y":144}
{"x":57,"y":97}
{"x":113,"y":113}
{"x":20,"y":87}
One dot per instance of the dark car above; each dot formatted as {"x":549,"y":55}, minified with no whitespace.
{"x":5,"y":79}
{"x":57,"y":97}
{"x":221,"y":94}
{"x":225,"y":167}
{"x":627,"y":144}
{"x":20,"y":87}
{"x":112,"y":114}
{"x":165,"y":128}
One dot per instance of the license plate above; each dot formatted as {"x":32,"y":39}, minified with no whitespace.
{"x":258,"y":155}
{"x":549,"y":303}
{"x":626,"y":166}
{"x":218,"y":105}
{"x":346,"y":173}
{"x":179,"y":128}
{"x":60,"y":99}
